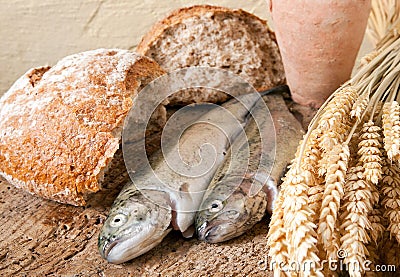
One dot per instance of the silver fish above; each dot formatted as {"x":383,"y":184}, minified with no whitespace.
{"x":234,"y":202}
{"x":166,"y":195}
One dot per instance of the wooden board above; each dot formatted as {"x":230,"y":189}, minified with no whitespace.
{"x":42,"y":238}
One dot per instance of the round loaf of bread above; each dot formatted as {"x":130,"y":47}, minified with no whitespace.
{"x":60,"y":126}
{"x":217,"y":37}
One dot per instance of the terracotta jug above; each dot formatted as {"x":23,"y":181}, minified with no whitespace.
{"x":319,"y":41}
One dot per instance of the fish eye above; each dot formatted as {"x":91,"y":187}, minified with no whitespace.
{"x":215,"y":206}
{"x":118,"y":220}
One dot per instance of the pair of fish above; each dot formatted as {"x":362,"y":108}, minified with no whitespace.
{"x":168,"y":194}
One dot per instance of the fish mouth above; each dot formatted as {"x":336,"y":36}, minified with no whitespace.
{"x":122,"y":249}
{"x":107,"y":247}
{"x":215,"y":233}
{"x":211,"y":235}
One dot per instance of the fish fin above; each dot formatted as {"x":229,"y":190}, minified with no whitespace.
{"x":184,"y":191}
{"x":271,"y":189}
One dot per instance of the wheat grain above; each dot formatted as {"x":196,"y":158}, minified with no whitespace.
{"x":301,"y":234}
{"x":376,"y":219}
{"x":310,"y":161}
{"x":278,"y":246}
{"x":334,"y":181}
{"x":335,"y":124}
{"x":376,"y":234}
{"x":391,"y":198}
{"x":359,"y":107}
{"x":277,"y":242}
{"x":357,"y":204}
{"x":311,"y":152}
{"x":370,"y":153}
{"x":391,"y":129}
{"x":336,"y":113}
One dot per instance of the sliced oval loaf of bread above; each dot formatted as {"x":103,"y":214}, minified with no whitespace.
{"x":217,"y":37}
{"x":60,"y":126}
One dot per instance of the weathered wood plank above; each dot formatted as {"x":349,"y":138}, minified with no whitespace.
{"x":40,"y":237}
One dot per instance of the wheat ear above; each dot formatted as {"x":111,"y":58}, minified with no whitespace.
{"x":391,"y":129}
{"x":391,"y":198}
{"x":333,"y":194}
{"x":358,"y":203}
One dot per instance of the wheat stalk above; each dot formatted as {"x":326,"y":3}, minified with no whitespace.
{"x":376,"y":234}
{"x":384,"y":13}
{"x":377,"y":230}
{"x":312,"y":156}
{"x":333,"y":194}
{"x":328,"y":202}
{"x":301,"y":234}
{"x":391,"y":129}
{"x":278,"y":246}
{"x":369,"y":152}
{"x":391,"y":198}
{"x":358,"y":202}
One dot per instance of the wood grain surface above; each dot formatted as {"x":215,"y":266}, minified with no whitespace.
{"x":44,"y":238}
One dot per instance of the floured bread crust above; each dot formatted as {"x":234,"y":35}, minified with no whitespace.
{"x":61,"y":126}
{"x":205,"y":35}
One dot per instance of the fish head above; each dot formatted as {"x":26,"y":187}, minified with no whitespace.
{"x":223,"y":217}
{"x":219,"y":218}
{"x":134,"y":225}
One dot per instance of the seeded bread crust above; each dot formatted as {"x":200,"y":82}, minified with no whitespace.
{"x":214,"y":36}
{"x":60,"y":126}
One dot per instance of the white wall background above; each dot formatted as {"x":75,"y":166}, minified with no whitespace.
{"x":40,"y":32}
